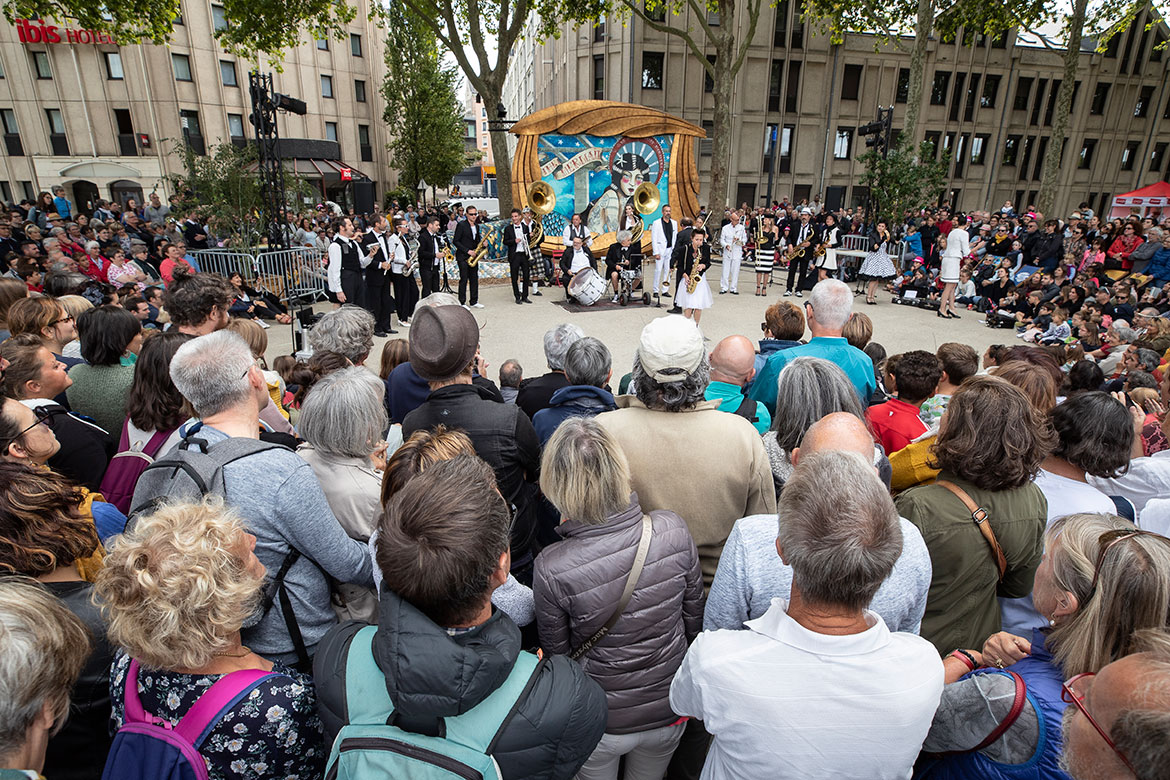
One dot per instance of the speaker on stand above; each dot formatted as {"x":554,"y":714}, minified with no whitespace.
{"x":363,"y":196}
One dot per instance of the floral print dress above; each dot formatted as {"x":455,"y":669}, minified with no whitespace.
{"x":273,"y":733}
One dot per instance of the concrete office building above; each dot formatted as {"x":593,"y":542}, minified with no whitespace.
{"x":987,"y":106}
{"x":108,"y":121}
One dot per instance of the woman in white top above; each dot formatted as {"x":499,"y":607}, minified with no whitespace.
{"x":958,"y":247}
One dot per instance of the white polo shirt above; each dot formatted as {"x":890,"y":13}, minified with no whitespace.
{"x":785,"y":702}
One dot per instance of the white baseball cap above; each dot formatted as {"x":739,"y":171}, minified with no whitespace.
{"x":670,"y":342}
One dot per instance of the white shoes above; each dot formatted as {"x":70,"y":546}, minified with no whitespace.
{"x":477,"y":305}
{"x":263,"y":324}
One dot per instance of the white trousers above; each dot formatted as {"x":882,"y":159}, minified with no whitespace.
{"x":647,"y":754}
{"x":661,"y":272}
{"x":730,"y":278}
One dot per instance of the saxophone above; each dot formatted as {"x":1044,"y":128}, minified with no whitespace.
{"x":481,"y":249}
{"x":693,"y":277}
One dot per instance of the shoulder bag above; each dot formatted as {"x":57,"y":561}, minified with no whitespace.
{"x":982,"y":520}
{"x":631,"y":582}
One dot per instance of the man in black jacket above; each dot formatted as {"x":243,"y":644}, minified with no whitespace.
{"x":443,"y":344}
{"x":536,"y":392}
{"x":379,"y":301}
{"x":1049,"y":248}
{"x":430,"y":254}
{"x":440,"y":646}
{"x":467,"y":235}
{"x":516,"y":239}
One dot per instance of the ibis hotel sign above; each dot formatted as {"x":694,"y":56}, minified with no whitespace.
{"x":36,"y":31}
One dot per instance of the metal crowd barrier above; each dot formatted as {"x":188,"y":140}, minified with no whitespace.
{"x":289,"y":274}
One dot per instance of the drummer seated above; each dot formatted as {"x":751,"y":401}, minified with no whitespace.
{"x":574,"y":261}
{"x":622,"y":257}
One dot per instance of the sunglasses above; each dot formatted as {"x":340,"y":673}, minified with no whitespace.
{"x":1070,"y":695}
{"x":43,"y":416}
{"x":66,"y":318}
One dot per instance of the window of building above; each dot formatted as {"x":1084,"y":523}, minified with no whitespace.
{"x":11,"y":132}
{"x":979,"y":146}
{"x":705,"y":143}
{"x":712,"y":18}
{"x":178,"y":20}
{"x":599,"y":77}
{"x":960,"y":159}
{"x":27,"y":188}
{"x":774,"y":84}
{"x":1113,"y":45}
{"x":1129,"y":155}
{"x":934,"y":138}
{"x":792,"y":90}
{"x":1041,"y":150}
{"x":6,"y":191}
{"x":1087,"y":148}
{"x":355,"y":44}
{"x":114,"y":70}
{"x":599,"y":32}
{"x":359,"y":90}
{"x":1165,"y":113}
{"x":957,"y":96}
{"x":787,"y":134}
{"x":771,"y":136}
{"x":938,"y":90}
{"x":1038,"y":103}
{"x":182,"y":66}
{"x":326,"y":86}
{"x":57,"y":139}
{"x":990,"y":91}
{"x":235,"y":124}
{"x":367,"y":151}
{"x":1158,"y":157}
{"x":972,"y":96}
{"x":192,"y":131}
{"x":2,"y":76}
{"x":1145,"y":97}
{"x":1052,"y":93}
{"x":323,"y":44}
{"x":948,"y":143}
{"x":127,"y":141}
{"x":798,"y":25}
{"x":655,"y":10}
{"x":1156,"y":52}
{"x":851,"y":84}
{"x":1023,"y":93}
{"x":708,"y":82}
{"x":330,"y":131}
{"x":218,"y":18}
{"x":227,"y":73}
{"x":1026,"y":157}
{"x":780,"y":25}
{"x":902,"y":90}
{"x":1011,"y":149}
{"x":843,"y":144}
{"x":1100,"y":98}
{"x":652,"y":69}
{"x":41,"y":65}
{"x":1076,"y":91}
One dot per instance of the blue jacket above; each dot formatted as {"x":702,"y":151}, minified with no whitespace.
{"x":855,"y":363}
{"x":1159,"y":265}
{"x":914,"y":242}
{"x":769,"y":346}
{"x":571,"y":401}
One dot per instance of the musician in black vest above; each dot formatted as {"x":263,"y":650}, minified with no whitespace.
{"x":347,"y":263}
{"x":516,"y":239}
{"x":803,"y":237}
{"x":378,"y":299}
{"x":430,"y":255}
{"x":467,"y":235}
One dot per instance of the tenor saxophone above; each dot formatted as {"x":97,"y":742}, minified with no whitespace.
{"x":693,"y":277}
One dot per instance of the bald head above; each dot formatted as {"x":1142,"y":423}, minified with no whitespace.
{"x":839,"y":432}
{"x":733,"y":360}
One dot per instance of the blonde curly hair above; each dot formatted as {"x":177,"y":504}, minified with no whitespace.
{"x":177,"y":586}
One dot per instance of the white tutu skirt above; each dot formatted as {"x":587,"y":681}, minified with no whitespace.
{"x":699,"y":299}
{"x":828,"y":261}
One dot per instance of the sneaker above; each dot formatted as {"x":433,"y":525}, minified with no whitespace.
{"x":799,"y":294}
{"x":264,"y":324}
{"x":464,"y":305}
{"x":477,"y":305}
{"x":723,"y":292}
{"x":788,"y":293}
{"x":614,"y":300}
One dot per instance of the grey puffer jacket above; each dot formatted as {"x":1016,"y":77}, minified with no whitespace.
{"x":577,"y":584}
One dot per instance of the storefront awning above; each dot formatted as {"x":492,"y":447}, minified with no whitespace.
{"x":328,"y":170}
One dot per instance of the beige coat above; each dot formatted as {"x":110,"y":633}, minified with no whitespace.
{"x":353,"y":488}
{"x":705,"y":465}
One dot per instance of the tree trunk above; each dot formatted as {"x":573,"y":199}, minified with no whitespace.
{"x":922,"y":30}
{"x":500,"y":157}
{"x":1049,"y":180}
{"x":722,"y":88}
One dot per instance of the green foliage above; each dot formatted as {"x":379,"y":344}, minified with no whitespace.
{"x":254,"y":26}
{"x":906,"y":179}
{"x":402,"y":193}
{"x":422,"y":105}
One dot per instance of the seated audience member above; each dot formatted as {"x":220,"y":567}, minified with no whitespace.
{"x":44,"y":647}
{"x":275,"y":491}
{"x":178,"y":630}
{"x":35,"y":377}
{"x":993,"y":473}
{"x":250,"y":304}
{"x":1102,"y":582}
{"x":809,"y":389}
{"x":783,"y":327}
{"x":579,"y":580}
{"x":667,"y":418}
{"x":198,"y":303}
{"x":858,"y":330}
{"x":442,"y":548}
{"x":1121,"y":722}
{"x":731,"y":372}
{"x":43,"y":535}
{"x":896,"y":423}
{"x":11,"y":291}
{"x":750,"y":574}
{"x":536,"y":392}
{"x":828,"y":309}
{"x":273,"y":416}
{"x":348,"y":331}
{"x":444,"y":342}
{"x":1084,"y":375}
{"x":959,"y":361}
{"x":342,"y":422}
{"x":775,"y":696}
{"x":110,"y":340}
{"x":511,"y":375}
{"x":1034,"y":380}
{"x":588,"y":369}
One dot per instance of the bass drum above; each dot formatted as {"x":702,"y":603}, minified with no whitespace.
{"x":587,"y":287}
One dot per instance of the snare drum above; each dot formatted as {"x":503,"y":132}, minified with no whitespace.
{"x":587,"y":287}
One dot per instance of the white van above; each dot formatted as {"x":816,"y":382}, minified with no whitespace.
{"x":490,"y":205}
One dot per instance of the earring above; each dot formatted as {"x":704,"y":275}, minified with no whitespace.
{"x":1052,"y":620}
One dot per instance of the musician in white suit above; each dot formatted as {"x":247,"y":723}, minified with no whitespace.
{"x":663,"y":235}
{"x":732,"y":238}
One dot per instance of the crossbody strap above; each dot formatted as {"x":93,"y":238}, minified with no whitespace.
{"x":982,"y":521}
{"x":1013,"y":713}
{"x":631,"y":583}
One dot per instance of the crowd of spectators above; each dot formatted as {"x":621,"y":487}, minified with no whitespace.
{"x":802,"y":558}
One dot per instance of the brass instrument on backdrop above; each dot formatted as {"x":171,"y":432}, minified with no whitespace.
{"x":645,"y":200}
{"x":481,"y":249}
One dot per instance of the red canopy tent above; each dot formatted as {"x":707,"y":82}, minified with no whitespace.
{"x":1154,"y":198}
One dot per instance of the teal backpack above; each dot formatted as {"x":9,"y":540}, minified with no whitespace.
{"x":368,"y":746}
